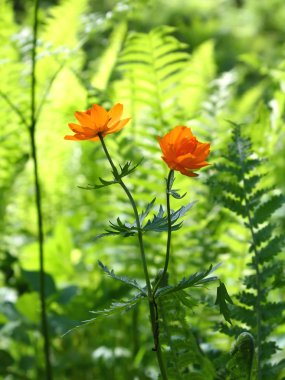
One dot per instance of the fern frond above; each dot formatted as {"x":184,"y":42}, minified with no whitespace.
{"x":184,"y":357}
{"x":243,"y":194}
{"x":272,"y":248}
{"x":266,"y":209}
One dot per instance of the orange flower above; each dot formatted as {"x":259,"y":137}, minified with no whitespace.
{"x":97,"y":120}
{"x":183,"y":152}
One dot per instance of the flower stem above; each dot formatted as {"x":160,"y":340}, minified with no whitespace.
{"x":152,"y":303}
{"x":131,"y":199}
{"x":32,"y":130}
{"x":167,"y":255}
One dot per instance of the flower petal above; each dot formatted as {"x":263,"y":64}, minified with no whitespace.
{"x":97,"y":120}
{"x":189,"y":173}
{"x":175,"y":134}
{"x":115,"y":113}
{"x":183,"y":152}
{"x":96,"y":138}
{"x":202,"y":149}
{"x":75,"y":128}
{"x":76,"y":137}
{"x":84,"y":119}
{"x":117,"y":127}
{"x":99,"y":116}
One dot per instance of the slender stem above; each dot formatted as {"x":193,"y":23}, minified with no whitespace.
{"x":167,"y":255}
{"x":131,"y":199}
{"x":152,"y":303}
{"x":41,"y":260}
{"x":32,"y":130}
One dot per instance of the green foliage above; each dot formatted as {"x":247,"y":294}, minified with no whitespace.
{"x":184,"y":356}
{"x":244,"y":194}
{"x":125,"y":171}
{"x":242,"y":355}
{"x":211,"y":61}
{"x":124,"y":279}
{"x":222,"y":299}
{"x":194,"y":280}
{"x":158,"y":223}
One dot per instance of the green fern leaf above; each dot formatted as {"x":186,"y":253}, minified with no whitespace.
{"x":271,"y":249}
{"x":234,"y":205}
{"x":265,"y":210}
{"x":263,"y":235}
{"x":251,"y":182}
{"x":232,"y":188}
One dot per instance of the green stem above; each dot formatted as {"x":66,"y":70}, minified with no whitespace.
{"x":167,"y":255}
{"x":152,"y":302}
{"x":131,"y":199}
{"x":32,"y":130}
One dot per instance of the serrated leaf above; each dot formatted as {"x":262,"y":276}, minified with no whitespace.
{"x":115,"y":308}
{"x":105,"y":234}
{"x":147,"y":211}
{"x":265,"y":210}
{"x":235,"y":170}
{"x":104,"y":183}
{"x":254,"y":199}
{"x":159,"y":222}
{"x":234,"y":205}
{"x":251,"y":164}
{"x":171,"y":180}
{"x":273,"y":247}
{"x":124,"y":279}
{"x":195,"y":279}
{"x":251,"y":182}
{"x":232,"y":188}
{"x":222,"y":299}
{"x":123,"y":229}
{"x":127,"y":169}
{"x":263,"y":234}
{"x":179,"y":213}
{"x":176,"y":195}
{"x":185,"y":299}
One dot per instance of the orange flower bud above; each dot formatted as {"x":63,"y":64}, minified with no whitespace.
{"x":97,"y":120}
{"x":183,"y":152}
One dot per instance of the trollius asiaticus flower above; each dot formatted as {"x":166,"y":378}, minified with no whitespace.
{"x":183,"y":152}
{"x":95,"y":121}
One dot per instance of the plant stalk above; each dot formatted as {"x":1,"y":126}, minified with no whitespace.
{"x":152,"y":303}
{"x":167,"y":255}
{"x":38,"y":200}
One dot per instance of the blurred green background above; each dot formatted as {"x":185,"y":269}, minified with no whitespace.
{"x":194,"y":63}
